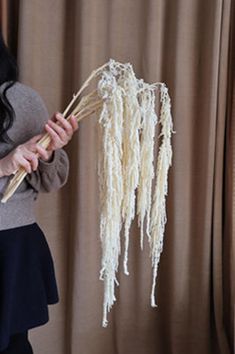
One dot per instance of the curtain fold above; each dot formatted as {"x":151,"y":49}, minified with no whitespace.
{"x":9,"y":15}
{"x":189,"y":45}
{"x":229,"y":197}
{"x":4,"y":17}
{"x":221,"y":344}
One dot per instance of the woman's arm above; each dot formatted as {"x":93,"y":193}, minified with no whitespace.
{"x":50,"y":170}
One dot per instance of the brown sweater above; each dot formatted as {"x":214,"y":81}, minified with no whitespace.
{"x":30,"y":118}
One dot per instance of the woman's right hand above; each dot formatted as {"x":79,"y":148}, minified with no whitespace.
{"x":24,"y":155}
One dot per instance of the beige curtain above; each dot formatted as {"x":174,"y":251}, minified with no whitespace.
{"x":4,"y":19}
{"x":189,"y":45}
{"x":229,"y":198}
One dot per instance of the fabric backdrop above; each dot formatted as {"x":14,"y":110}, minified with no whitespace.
{"x":189,"y":44}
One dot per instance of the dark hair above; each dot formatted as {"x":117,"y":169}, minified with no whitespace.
{"x":8,"y":74}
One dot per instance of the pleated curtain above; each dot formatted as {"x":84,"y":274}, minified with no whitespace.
{"x":189,"y":45}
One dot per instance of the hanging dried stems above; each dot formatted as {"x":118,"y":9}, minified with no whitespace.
{"x":148,"y":123}
{"x":164,"y":161}
{"x":111,"y":185}
{"x":127,"y":122}
{"x":126,"y":167}
{"x":131,"y":152}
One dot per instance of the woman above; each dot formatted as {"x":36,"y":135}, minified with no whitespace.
{"x":27,"y":277}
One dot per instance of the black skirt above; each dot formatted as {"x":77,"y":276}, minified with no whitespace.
{"x":27,"y":281}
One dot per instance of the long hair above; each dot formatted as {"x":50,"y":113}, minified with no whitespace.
{"x":8,"y":75}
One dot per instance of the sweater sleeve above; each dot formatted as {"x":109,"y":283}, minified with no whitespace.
{"x":51,"y":175}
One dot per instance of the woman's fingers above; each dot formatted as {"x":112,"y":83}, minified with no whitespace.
{"x":33,"y":159}
{"x":24,"y":155}
{"x":70,"y":125}
{"x":74,"y":123}
{"x":61,"y":131}
{"x":63,"y":136}
{"x":56,"y":141}
{"x":65,"y":124}
{"x":25,"y":164}
{"x":43,"y":153}
{"x":29,"y":159}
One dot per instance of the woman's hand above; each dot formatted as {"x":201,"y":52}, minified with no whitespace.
{"x":24,"y":155}
{"x":60,"y":134}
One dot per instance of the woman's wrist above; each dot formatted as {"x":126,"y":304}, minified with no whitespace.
{"x":49,"y":156}
{"x":1,"y":172}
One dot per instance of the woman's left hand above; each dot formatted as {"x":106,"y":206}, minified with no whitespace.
{"x":60,"y":134}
